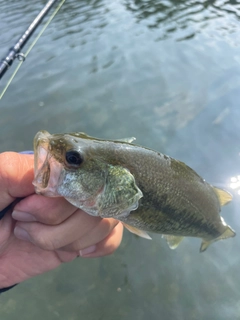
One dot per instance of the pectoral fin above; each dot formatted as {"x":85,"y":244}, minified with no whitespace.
{"x":136,"y":231}
{"x":223,"y":196}
{"x":228,"y":233}
{"x":126,"y":212}
{"x":173,"y":241}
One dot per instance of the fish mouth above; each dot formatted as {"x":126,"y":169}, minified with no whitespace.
{"x":47,"y":171}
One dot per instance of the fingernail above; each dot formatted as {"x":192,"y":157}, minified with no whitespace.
{"x":86,"y":251}
{"x":21,"y":234}
{"x":23,"y":216}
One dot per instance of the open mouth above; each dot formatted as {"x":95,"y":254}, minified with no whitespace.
{"x":41,"y":168}
{"x":47,"y":170}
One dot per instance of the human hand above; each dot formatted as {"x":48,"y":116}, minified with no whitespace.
{"x":38,"y":234}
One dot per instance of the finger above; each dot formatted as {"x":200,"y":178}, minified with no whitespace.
{"x":64,"y":256}
{"x":51,"y":211}
{"x":95,"y":235}
{"x":16,"y":177}
{"x":7,"y":226}
{"x":74,"y":228}
{"x":106,"y":246}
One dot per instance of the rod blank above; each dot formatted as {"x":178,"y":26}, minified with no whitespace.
{"x":14,"y":52}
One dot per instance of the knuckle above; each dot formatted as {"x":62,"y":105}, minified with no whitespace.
{"x":43,"y":208}
{"x":111,"y":249}
{"x":73,"y":247}
{"x":43,"y":241}
{"x":108,"y":225}
{"x":5,"y":163}
{"x":53,"y":217}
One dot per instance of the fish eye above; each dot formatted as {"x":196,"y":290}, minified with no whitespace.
{"x":73,"y":158}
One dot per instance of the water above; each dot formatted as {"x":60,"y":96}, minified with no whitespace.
{"x":168,"y":73}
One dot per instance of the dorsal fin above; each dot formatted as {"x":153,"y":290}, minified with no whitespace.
{"x":129,"y":140}
{"x":224,"y":196}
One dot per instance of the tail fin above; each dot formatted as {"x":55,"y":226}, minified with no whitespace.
{"x":228,"y":233}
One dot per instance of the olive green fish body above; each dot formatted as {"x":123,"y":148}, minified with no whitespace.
{"x":143,"y":188}
{"x":176,"y":200}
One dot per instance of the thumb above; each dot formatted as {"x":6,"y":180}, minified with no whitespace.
{"x":16,"y":176}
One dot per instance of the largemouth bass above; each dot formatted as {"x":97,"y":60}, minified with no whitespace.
{"x":144,"y":189}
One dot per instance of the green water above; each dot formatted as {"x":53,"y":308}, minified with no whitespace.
{"x":168,"y":73}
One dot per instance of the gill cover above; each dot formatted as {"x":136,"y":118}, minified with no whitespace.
{"x":120,"y":195}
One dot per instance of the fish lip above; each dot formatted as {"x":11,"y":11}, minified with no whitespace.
{"x":41,"y":142}
{"x":47,"y":171}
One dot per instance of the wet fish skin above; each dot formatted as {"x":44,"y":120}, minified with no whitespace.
{"x":158,"y":193}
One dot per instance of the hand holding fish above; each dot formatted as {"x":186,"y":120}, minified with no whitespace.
{"x":39,"y":233}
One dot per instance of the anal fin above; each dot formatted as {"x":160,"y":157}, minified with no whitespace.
{"x":173,"y":241}
{"x":137,"y":231}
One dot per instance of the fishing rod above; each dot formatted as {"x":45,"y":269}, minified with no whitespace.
{"x":15,"y":51}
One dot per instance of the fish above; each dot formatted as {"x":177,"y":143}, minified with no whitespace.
{"x":144,"y":189}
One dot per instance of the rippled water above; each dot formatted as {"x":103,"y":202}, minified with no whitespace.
{"x":168,"y":73}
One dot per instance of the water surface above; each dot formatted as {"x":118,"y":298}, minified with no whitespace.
{"x":168,"y":73}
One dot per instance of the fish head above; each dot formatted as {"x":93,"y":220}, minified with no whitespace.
{"x":64,"y":166}
{"x":76,"y":167}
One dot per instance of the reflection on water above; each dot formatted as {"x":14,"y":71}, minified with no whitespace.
{"x":185,"y":18}
{"x":235,"y":183}
{"x":99,"y":68}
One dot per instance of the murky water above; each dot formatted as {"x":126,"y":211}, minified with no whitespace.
{"x":168,"y":73}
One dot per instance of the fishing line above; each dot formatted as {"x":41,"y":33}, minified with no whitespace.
{"x":22,"y":57}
